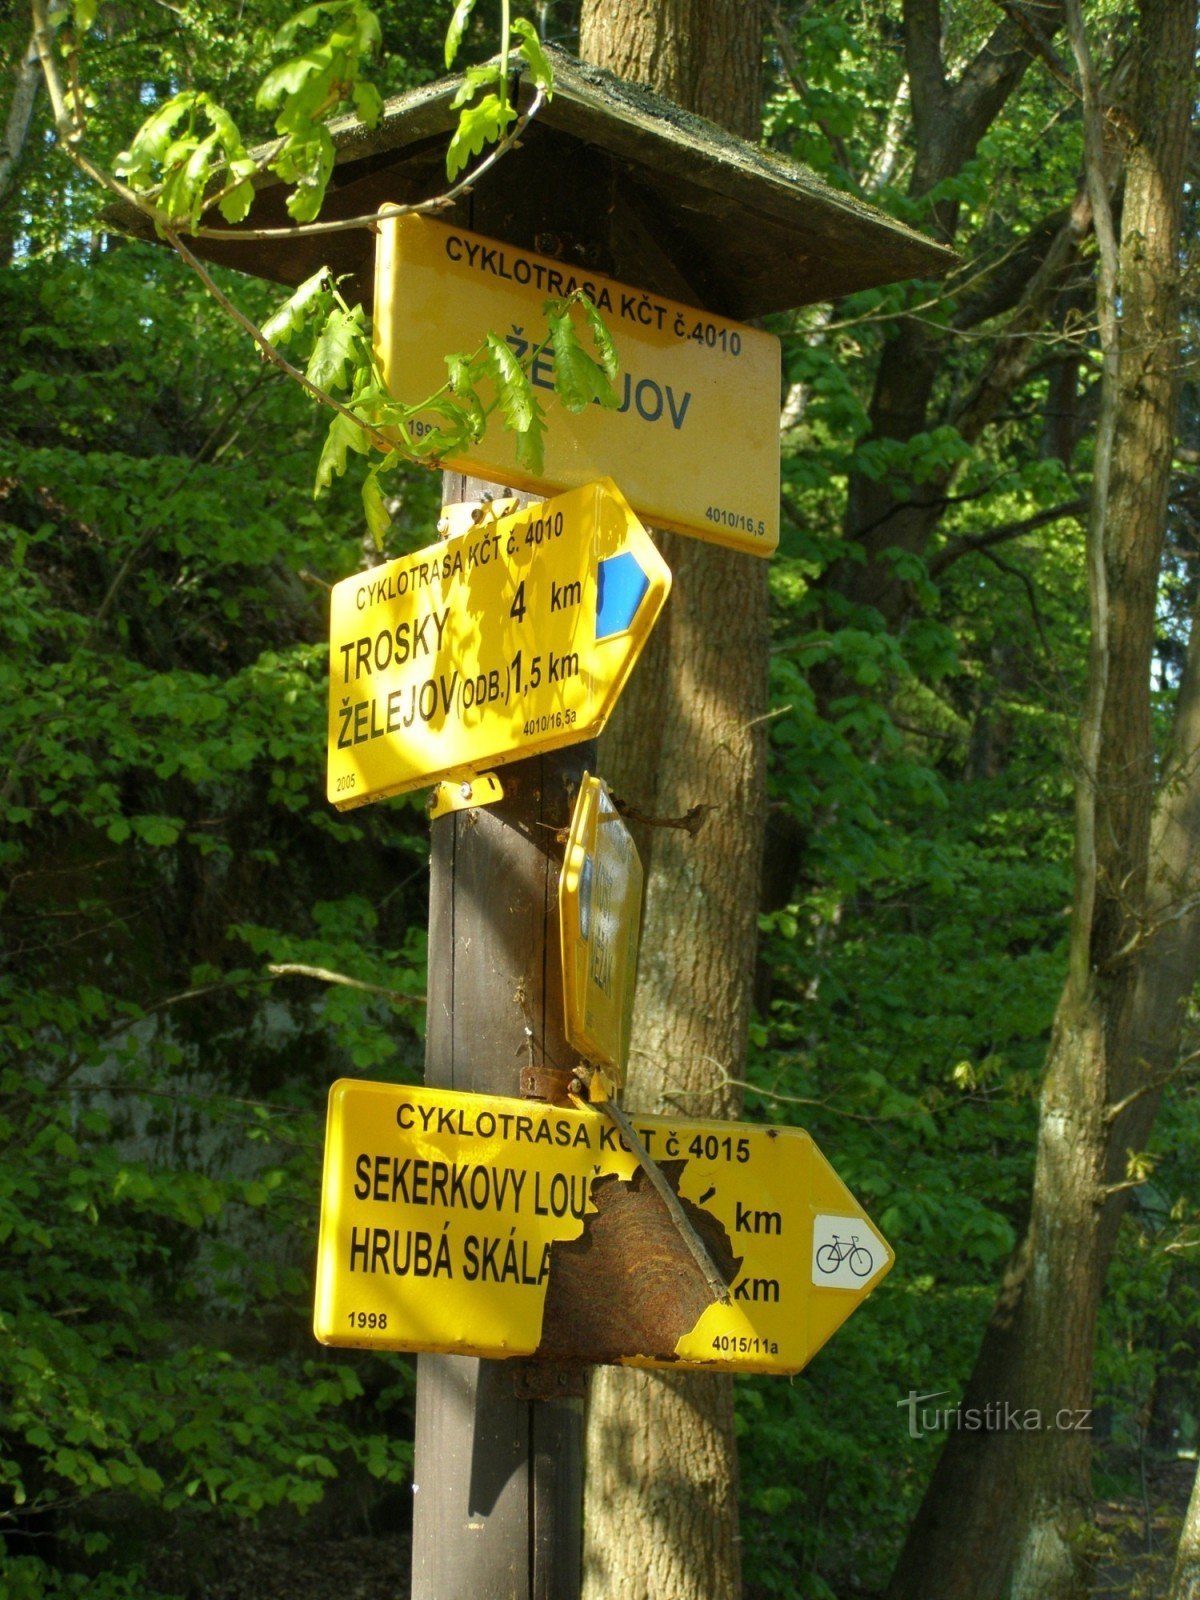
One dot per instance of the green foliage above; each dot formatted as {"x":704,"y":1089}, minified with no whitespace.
{"x":181,"y":172}
{"x":186,"y":162}
{"x":165,"y":843}
{"x":179,"y":165}
{"x":481,"y":123}
{"x":310,"y":88}
{"x":494,"y":377}
{"x":171,"y":877}
{"x":485,"y":112}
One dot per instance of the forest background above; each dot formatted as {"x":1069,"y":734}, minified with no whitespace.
{"x":194,"y":946}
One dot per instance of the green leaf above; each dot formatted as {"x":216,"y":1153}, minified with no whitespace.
{"x":540,"y":69}
{"x":153,"y":137}
{"x":157,"y":831}
{"x":530,"y":452}
{"x":379,"y":518}
{"x":454,"y":33}
{"x":578,"y":379}
{"x":340,"y":346}
{"x":311,"y":164}
{"x":344,"y":435}
{"x":484,"y":75}
{"x":235,"y":205}
{"x":513,"y":388}
{"x":289,"y":78}
{"x":477,"y":125}
{"x":518,"y":403}
{"x":291,"y":317}
{"x":605,"y":348}
{"x":368,"y":102}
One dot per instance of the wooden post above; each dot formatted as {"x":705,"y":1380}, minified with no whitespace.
{"x":498,"y":1478}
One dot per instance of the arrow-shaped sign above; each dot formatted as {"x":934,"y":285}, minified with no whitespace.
{"x":511,"y":639}
{"x":495,"y":1227}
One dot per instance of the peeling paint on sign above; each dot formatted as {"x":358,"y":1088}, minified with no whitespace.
{"x":480,"y":1225}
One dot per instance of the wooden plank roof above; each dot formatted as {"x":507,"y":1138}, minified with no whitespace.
{"x":691,"y":211}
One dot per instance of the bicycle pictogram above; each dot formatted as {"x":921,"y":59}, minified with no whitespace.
{"x":859,"y":1259}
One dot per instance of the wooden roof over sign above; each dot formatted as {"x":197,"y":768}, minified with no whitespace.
{"x":692,"y":211}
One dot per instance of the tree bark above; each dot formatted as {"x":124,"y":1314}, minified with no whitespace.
{"x":1016,"y":1504}
{"x":20,"y":114}
{"x":1185,"y":1580}
{"x":661,"y":1508}
{"x":949,"y":119}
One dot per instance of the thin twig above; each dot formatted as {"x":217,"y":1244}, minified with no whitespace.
{"x":297,"y":969}
{"x":270,"y":353}
{"x":690,"y":822}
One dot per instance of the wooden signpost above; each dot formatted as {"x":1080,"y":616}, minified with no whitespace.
{"x":702,"y":228}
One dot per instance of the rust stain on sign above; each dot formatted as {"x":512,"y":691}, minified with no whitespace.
{"x":481,"y":1225}
{"x":628,"y":1286}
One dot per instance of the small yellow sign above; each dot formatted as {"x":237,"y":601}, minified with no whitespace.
{"x":600,"y":911}
{"x":695,"y":439}
{"x":509,"y":640}
{"x":451,"y":1222}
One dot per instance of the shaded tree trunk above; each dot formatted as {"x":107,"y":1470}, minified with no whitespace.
{"x":661,"y":1508}
{"x":950,"y":117}
{"x":1016,"y":1503}
{"x":28,"y":77}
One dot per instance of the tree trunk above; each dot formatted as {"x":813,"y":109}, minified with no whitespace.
{"x":1015,"y":1502}
{"x":950,"y":116}
{"x":20,"y":115}
{"x":1185,"y":1580}
{"x":661,"y":1508}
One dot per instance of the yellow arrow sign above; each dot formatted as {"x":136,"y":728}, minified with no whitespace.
{"x":695,"y":441}
{"x":494,"y":1227}
{"x":512,"y":639}
{"x":600,"y":911}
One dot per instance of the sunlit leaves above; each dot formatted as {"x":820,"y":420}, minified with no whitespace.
{"x":309,"y":88}
{"x":530,"y":47}
{"x":454,"y":33}
{"x":169,"y":149}
{"x":184,"y":169}
{"x":579,"y":379}
{"x":345,"y":436}
{"x":312,"y":299}
{"x":486,"y":120}
{"x":478,"y":125}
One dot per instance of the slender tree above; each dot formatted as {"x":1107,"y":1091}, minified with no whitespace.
{"x":1016,"y":1505}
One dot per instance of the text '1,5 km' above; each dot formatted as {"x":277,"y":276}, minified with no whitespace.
{"x":509,"y":640}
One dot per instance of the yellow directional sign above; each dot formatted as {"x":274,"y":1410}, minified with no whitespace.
{"x":478,"y":1225}
{"x":509,"y":640}
{"x":600,"y":911}
{"x":694,"y":442}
